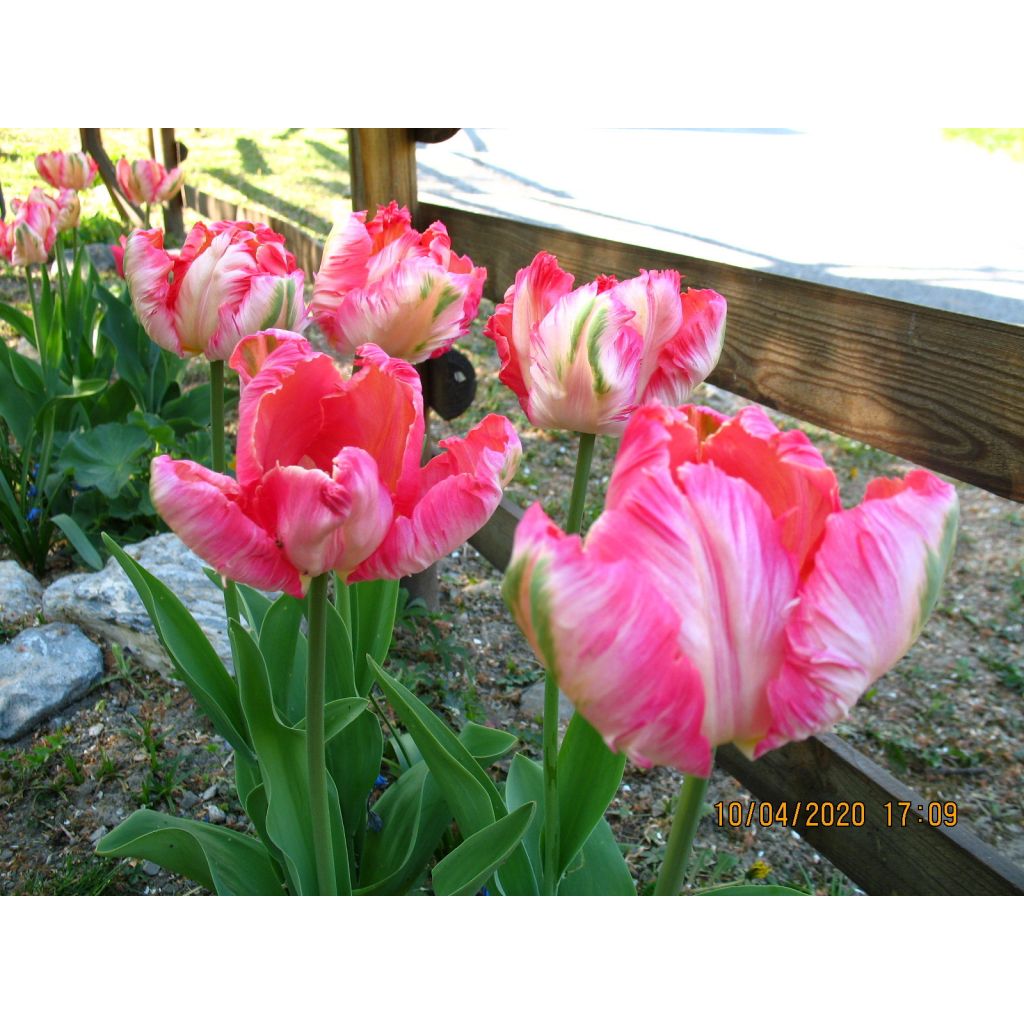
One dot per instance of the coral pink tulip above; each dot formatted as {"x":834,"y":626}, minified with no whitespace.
{"x":230,"y":279}
{"x":384,"y":283}
{"x":67,"y":170}
{"x":29,"y":237}
{"x":329,"y":474}
{"x":585,"y":359}
{"x":146,"y":182}
{"x":724,"y":596}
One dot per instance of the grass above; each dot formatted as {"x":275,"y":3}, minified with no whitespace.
{"x":298,"y":174}
{"x":995,"y":140}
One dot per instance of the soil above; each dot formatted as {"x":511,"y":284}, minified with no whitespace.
{"x":946,"y":721}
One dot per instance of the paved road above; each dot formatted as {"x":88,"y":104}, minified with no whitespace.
{"x":910,"y":215}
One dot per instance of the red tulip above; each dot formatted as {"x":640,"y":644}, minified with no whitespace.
{"x":329,"y":474}
{"x":230,"y":279}
{"x":384,"y":283}
{"x":29,"y":237}
{"x":724,"y":596}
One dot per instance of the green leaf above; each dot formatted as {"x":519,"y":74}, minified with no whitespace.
{"x":279,"y":634}
{"x":353,"y":759}
{"x":21,"y":322}
{"x":193,"y":656}
{"x":225,"y":861}
{"x":588,"y":778}
{"x":106,"y":457}
{"x":412,"y":817}
{"x":78,"y":540}
{"x":475,"y":859}
{"x":338,"y":715}
{"x":281,"y":753}
{"x":255,"y":604}
{"x":373,"y":605}
{"x":485,"y":744}
{"x":749,"y":889}
{"x":340,"y":679}
{"x":473,"y":798}
{"x":193,"y":407}
{"x":525,"y":783}
{"x":599,"y":869}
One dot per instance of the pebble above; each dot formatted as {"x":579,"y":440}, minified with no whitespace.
{"x":216,"y":815}
{"x":209,"y":794}
{"x":96,"y":836}
{"x":150,"y":868}
{"x":188,"y":801}
{"x":95,"y":730}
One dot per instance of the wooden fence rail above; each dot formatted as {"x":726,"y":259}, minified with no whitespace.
{"x":937,"y":388}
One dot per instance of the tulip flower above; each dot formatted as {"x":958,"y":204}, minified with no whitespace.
{"x":67,"y":170}
{"x":724,"y":596}
{"x":384,"y":283}
{"x":329,"y":475}
{"x":69,"y":210}
{"x":230,"y":279}
{"x":585,"y":359}
{"x":29,"y":237}
{"x":145,"y":182}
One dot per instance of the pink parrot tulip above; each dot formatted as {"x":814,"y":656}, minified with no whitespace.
{"x":69,"y":210}
{"x":30,"y":235}
{"x":586,"y":359}
{"x":67,"y":170}
{"x":384,"y":283}
{"x":724,"y":596}
{"x":230,"y":279}
{"x":146,"y":182}
{"x":329,"y":474}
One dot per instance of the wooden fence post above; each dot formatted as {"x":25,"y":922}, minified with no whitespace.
{"x":92,"y":143}
{"x":167,"y":154}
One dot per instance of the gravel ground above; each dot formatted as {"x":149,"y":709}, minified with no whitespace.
{"x":946,"y":720}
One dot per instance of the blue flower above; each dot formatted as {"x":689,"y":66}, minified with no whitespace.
{"x":380,"y":782}
{"x":32,"y":490}
{"x":33,"y":515}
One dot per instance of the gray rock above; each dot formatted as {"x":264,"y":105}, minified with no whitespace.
{"x":106,"y":603}
{"x":41,"y":670}
{"x":188,"y":801}
{"x":95,"y":730}
{"x":216,"y":815}
{"x":98,"y":834}
{"x":150,"y":868}
{"x":20,"y":593}
{"x":531,"y":704}
{"x":209,"y":794}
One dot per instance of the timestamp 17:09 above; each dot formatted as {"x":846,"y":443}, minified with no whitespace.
{"x":903,"y":812}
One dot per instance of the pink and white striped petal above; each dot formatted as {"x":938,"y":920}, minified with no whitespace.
{"x":207,"y":511}
{"x":147,"y":268}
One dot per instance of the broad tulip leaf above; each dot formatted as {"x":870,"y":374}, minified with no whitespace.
{"x":227,"y":862}
{"x":21,"y":322}
{"x":588,"y":777}
{"x":412,"y":816}
{"x":525,"y":783}
{"x":194,"y":658}
{"x":340,"y":681}
{"x":473,"y":798}
{"x":338,"y":715}
{"x":78,"y":540}
{"x":475,"y":859}
{"x":353,"y":759}
{"x":749,"y":889}
{"x":373,"y":605}
{"x":106,"y":457}
{"x":462,"y":780}
{"x":485,"y":744}
{"x":599,"y":868}
{"x":279,"y":634}
{"x":255,"y":604}
{"x":281,"y":750}
{"x":253,"y":796}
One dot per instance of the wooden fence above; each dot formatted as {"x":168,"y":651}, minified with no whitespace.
{"x":940,"y":389}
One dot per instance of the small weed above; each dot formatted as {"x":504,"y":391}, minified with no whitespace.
{"x":162,"y":777}
{"x":107,"y":768}
{"x":88,"y":876}
{"x":1008,"y":673}
{"x":27,"y":769}
{"x":74,"y":769}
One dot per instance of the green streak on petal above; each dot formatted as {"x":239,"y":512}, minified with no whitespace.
{"x":936,"y":565}
{"x":577,"y":330}
{"x":539,"y":610}
{"x":275,"y":311}
{"x":445,"y":299}
{"x":426,"y":287}
{"x":597,"y":328}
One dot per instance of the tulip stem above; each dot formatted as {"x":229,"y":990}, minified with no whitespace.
{"x":680,"y":839}
{"x":316,"y":756}
{"x":219,"y":462}
{"x":585,"y":455}
{"x":40,"y":346}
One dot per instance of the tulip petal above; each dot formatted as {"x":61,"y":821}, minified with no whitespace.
{"x":342,"y":268}
{"x":272,"y":302}
{"x":610,"y":640}
{"x":325,"y":522}
{"x":205,"y":510}
{"x":875,"y":580}
{"x":455,"y":494}
{"x":147,"y":267}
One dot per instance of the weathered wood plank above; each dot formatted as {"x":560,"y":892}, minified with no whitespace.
{"x":943,"y":390}
{"x":92,"y":143}
{"x":917,"y":859}
{"x":167,"y":154}
{"x":383,"y":167}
